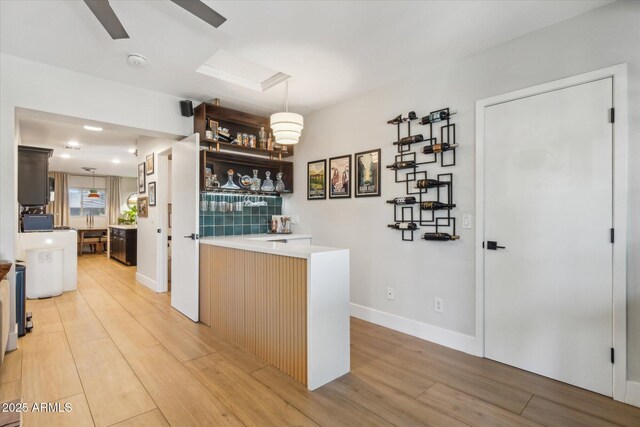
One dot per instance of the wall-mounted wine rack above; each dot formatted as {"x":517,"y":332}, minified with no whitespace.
{"x":408,"y":168}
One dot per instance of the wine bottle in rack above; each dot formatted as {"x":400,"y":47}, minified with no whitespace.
{"x":410,"y":140}
{"x":428,"y":183}
{"x":404,"y":226}
{"x":436,"y":117}
{"x":403,"y":201}
{"x":439,"y":236}
{"x":433,"y":205}
{"x":438,"y":148}
{"x":399,"y":119}
{"x":402,"y":165}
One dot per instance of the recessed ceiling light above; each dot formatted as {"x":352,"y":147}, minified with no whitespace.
{"x":115,"y":161}
{"x":65,"y":156}
{"x":93,"y":128}
{"x":73,"y":144}
{"x":132,"y":150}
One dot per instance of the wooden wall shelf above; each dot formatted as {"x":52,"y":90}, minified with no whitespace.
{"x":237,"y":122}
{"x":243,"y":164}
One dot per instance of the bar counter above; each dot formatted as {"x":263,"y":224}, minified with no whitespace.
{"x":281,"y":298}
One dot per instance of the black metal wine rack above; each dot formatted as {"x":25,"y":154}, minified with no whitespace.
{"x":429,"y":219}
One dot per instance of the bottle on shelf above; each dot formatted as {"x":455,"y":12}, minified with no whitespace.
{"x":433,"y":205}
{"x":410,"y":140}
{"x":428,"y":183}
{"x":402,"y":165}
{"x":436,"y":117}
{"x":439,"y":236}
{"x":399,"y":119}
{"x":438,"y":148}
{"x":262,"y":138}
{"x":208,"y":133}
{"x":270,"y":142}
{"x":404,"y":226}
{"x":279,"y":183}
{"x":402,"y":201}
{"x":255,"y":181}
{"x":267,"y":185}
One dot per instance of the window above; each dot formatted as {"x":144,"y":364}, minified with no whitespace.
{"x":80,"y":204}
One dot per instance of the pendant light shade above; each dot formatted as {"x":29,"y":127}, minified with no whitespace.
{"x":93,"y":194}
{"x":286,"y":127}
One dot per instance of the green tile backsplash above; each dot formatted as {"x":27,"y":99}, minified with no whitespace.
{"x":252,"y":219}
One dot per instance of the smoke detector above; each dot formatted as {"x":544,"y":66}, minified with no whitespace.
{"x":136,"y":60}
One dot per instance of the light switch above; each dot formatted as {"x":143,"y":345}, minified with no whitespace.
{"x":466,"y":221}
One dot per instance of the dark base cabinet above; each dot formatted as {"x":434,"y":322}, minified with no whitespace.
{"x":124,"y":245}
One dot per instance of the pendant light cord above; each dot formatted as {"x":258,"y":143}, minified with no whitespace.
{"x":286,"y":96}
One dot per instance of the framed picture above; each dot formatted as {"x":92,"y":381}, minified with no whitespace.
{"x":367,"y":174}
{"x":214,"y":129}
{"x":317,"y":180}
{"x":150,"y":164}
{"x":142,"y":180}
{"x":152,"y":193}
{"x":143,"y":207}
{"x":340,"y":177}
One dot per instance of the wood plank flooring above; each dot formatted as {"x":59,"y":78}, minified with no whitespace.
{"x":120,"y":355}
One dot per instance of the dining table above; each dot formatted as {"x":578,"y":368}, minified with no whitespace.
{"x":81,"y":232}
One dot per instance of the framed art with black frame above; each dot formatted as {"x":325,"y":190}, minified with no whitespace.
{"x":340,"y":177}
{"x":367,"y":173}
{"x":142,"y":179}
{"x":317,"y":180}
{"x":152,"y":193}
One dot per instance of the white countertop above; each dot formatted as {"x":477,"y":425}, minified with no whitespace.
{"x":267,"y":243}
{"x":124,"y":227}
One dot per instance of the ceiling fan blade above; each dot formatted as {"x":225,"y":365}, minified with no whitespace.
{"x":202,"y":11}
{"x":107,"y":17}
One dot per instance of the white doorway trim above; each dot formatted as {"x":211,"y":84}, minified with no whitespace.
{"x":162,"y":198}
{"x":619,"y":77}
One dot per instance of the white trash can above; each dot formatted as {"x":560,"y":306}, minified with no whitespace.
{"x":45,"y":272}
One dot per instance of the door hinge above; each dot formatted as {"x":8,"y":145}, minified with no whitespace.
{"x":613,"y":115}
{"x":613,"y":235}
{"x":613,"y":354}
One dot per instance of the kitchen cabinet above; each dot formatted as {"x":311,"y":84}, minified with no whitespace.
{"x":123,"y":244}
{"x":33,"y":176}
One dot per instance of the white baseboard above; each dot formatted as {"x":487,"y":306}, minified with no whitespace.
{"x":445,"y":337}
{"x":12,"y":342}
{"x":147,"y":281}
{"x":633,"y":393}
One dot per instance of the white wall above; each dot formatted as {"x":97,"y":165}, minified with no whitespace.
{"x":148,"y":236}
{"x":421,"y":270}
{"x":32,"y":85}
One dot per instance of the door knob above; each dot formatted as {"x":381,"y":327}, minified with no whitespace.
{"x":493,"y":245}
{"x":192,"y":236}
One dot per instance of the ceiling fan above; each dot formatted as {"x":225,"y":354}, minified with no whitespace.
{"x":109,"y":20}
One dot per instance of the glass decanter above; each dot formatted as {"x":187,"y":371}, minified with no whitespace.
{"x":267,"y":185}
{"x":279,"y":183}
{"x":230,"y":185}
{"x":255,"y":181}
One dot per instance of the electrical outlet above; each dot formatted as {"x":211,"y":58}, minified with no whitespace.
{"x":390,"y":293}
{"x":438,"y":305}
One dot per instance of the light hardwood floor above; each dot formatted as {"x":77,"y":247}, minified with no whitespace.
{"x":120,"y":355}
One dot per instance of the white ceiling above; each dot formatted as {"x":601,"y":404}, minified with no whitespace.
{"x":332,"y":50}
{"x":98,"y":148}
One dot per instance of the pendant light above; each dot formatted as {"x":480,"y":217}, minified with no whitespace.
{"x":286,"y":126}
{"x":93,"y":192}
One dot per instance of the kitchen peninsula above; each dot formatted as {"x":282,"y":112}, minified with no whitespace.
{"x":280,"y":298}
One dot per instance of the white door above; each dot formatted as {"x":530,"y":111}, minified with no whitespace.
{"x":548,"y":201}
{"x":184,"y":226}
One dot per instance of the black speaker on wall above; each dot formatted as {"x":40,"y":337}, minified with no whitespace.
{"x":187,"y":108}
